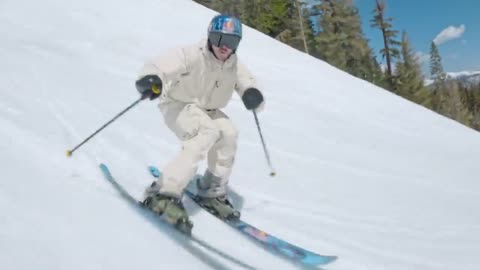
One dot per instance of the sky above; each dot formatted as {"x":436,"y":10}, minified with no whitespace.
{"x":362,"y":173}
{"x":454,"y":25}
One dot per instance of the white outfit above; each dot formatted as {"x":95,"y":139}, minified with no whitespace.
{"x":196,"y":85}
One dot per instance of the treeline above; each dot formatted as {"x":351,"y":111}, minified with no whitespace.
{"x":331,"y":30}
{"x":452,"y":98}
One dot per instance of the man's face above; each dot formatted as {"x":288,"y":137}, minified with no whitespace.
{"x":222,"y":53}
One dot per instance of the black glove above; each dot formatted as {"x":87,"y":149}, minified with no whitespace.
{"x":149,"y":86}
{"x":252,"y":98}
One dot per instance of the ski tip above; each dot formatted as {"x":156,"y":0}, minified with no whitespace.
{"x":154,"y":171}
{"x":103,"y":167}
{"x":332,"y":259}
{"x":319,"y":260}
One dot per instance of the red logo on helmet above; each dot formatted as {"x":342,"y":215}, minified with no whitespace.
{"x":228,"y":26}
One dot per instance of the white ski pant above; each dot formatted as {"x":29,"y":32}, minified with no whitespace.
{"x":202,"y":133}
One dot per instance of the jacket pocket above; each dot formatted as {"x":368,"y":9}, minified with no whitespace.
{"x":187,"y":122}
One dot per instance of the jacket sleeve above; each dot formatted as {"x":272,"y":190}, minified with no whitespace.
{"x":245,"y":79}
{"x":168,"y":67}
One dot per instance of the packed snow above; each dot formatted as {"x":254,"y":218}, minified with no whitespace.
{"x":361,"y":173}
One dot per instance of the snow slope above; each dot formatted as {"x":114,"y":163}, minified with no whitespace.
{"x":362,"y":173}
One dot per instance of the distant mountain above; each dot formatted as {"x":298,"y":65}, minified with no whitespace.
{"x":468,"y":78}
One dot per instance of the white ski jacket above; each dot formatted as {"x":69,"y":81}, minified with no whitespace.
{"x":192,"y":74}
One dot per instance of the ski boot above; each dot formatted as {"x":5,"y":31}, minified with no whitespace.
{"x":220,"y":207}
{"x":172,"y":209}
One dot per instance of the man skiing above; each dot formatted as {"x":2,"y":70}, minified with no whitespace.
{"x":193,"y":84}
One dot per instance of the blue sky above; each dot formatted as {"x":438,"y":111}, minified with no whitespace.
{"x":455,"y":25}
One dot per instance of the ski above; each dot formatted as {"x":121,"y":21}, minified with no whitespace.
{"x":186,"y":241}
{"x":271,"y":243}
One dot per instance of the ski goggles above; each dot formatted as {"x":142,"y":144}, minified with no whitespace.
{"x":220,"y":39}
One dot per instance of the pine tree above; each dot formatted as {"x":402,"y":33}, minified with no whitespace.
{"x":341,"y":41}
{"x":390,"y":50}
{"x":410,"y":81}
{"x":436,"y":67}
{"x":476,"y":108}
{"x":439,"y":77}
{"x":453,"y":105}
{"x":297,"y":30}
{"x":265,"y":15}
{"x":371,"y":70}
{"x":301,"y":24}
{"x":330,"y":37}
{"x":471,"y":96}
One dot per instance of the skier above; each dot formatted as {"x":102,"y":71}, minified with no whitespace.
{"x":193,"y":84}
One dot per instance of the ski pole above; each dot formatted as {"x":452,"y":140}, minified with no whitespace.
{"x":70,"y":152}
{"x":272,"y":173}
